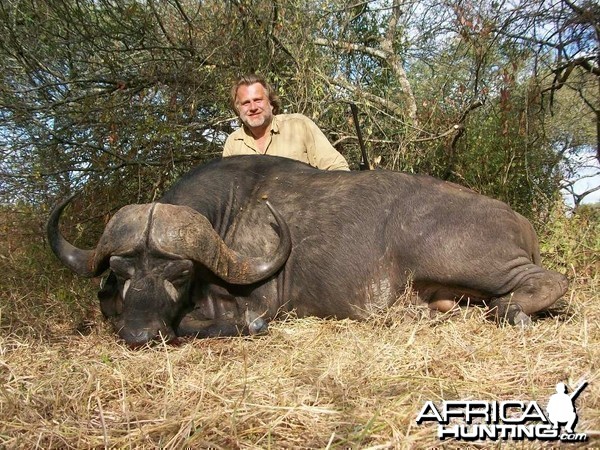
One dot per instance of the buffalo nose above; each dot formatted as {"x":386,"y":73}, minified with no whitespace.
{"x":137,"y":338}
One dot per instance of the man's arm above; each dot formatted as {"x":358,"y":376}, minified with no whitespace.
{"x":321,"y":153}
{"x":228,"y":148}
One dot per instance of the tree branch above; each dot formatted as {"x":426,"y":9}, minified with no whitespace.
{"x":387,"y":55}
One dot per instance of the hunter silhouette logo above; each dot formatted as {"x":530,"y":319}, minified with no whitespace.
{"x":478,"y":420}
{"x":561,"y":407}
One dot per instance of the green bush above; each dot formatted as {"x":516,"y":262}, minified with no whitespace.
{"x":570,"y":242}
{"x":40,"y":296}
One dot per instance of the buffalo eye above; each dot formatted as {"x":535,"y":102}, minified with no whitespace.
{"x":176,"y":276}
{"x":122,"y":267}
{"x":111,"y":303}
{"x":178,"y":272}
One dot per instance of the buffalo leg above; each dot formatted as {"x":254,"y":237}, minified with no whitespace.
{"x":191,"y":326}
{"x":535,"y":293}
{"x":199,"y":326}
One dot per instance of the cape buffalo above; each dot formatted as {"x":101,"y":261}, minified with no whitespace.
{"x":213,"y":257}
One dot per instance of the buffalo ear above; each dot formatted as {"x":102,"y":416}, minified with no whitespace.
{"x":108,"y":294}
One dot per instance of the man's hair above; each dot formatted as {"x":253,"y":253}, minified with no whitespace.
{"x":247,"y":80}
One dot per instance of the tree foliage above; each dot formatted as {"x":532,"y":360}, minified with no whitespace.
{"x":120,"y":97}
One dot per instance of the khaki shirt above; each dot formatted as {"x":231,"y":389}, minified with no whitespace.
{"x":292,"y":136}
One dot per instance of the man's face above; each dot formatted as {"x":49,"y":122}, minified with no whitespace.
{"x":253,"y":106}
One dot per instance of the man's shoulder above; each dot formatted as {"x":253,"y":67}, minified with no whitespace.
{"x":236,"y":134}
{"x":295,"y":117}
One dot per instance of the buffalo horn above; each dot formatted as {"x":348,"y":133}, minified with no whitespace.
{"x":184,"y":232}
{"x":79,"y":261}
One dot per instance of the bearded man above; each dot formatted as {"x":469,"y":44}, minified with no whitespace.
{"x":265,"y":131}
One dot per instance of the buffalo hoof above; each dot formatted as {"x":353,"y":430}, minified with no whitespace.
{"x":510,"y":313}
{"x":209,"y":328}
{"x":258,"y":326}
{"x":521,"y":320}
{"x":139,"y":339}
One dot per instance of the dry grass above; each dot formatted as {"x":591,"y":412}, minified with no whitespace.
{"x":67,"y":383}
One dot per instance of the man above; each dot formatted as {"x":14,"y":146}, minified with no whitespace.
{"x":266,"y":132}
